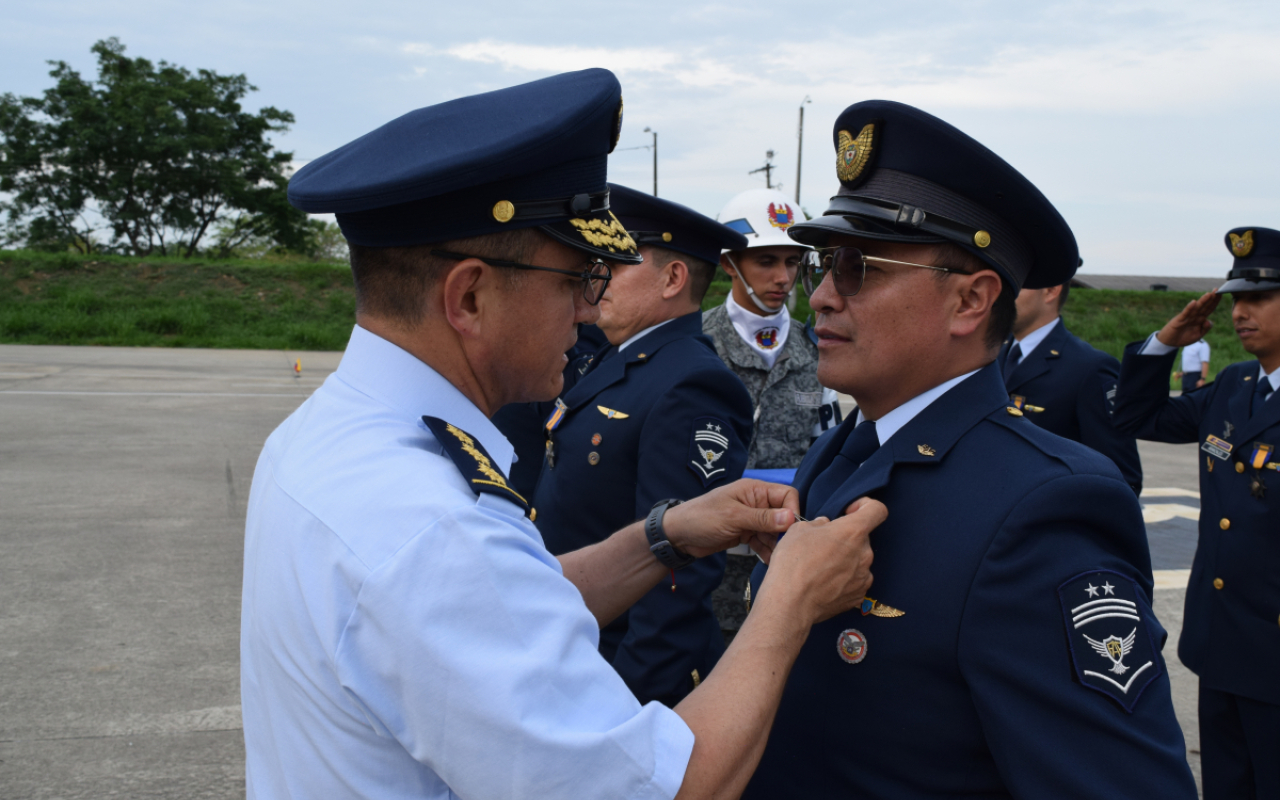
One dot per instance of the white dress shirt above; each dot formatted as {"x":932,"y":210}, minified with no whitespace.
{"x":402,"y":636}
{"x":1194,"y":356}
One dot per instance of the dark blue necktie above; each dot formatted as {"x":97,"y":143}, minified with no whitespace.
{"x":860,"y":446}
{"x":1260,"y":393}
{"x":1012,"y":359}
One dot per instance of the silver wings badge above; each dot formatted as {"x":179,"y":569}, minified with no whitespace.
{"x":1115,"y":649}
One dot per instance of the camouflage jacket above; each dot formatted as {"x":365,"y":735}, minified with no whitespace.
{"x":787,"y":399}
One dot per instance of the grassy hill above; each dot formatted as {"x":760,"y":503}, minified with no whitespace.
{"x":112,"y":300}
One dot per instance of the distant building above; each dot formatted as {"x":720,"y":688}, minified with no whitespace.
{"x":1145,"y":283}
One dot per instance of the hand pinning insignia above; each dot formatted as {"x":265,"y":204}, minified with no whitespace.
{"x":1107,"y":636}
{"x":473,"y":461}
{"x":710,"y":443}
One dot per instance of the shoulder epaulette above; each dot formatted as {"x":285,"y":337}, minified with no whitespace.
{"x":473,"y":461}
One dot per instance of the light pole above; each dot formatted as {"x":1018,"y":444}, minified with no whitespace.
{"x":800,"y":146}
{"x":655,"y":159}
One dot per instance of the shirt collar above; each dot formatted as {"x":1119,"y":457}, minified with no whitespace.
{"x":643,"y":333}
{"x":1032,"y":340}
{"x":1273,"y":377}
{"x":399,"y":380}
{"x":891,"y":423}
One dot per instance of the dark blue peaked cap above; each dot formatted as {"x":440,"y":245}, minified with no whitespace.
{"x":662,"y":223}
{"x":907,"y":176}
{"x":1257,"y":260}
{"x":529,"y":155}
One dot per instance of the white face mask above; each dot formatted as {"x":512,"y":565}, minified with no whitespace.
{"x":765,"y":335}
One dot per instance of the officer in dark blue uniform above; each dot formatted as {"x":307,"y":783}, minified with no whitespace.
{"x":1231,"y":626}
{"x":656,"y":415}
{"x":1010,"y":649}
{"x":1063,"y":384}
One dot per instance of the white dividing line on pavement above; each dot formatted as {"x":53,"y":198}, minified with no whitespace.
{"x":158,"y":394}
{"x":1157,"y":491}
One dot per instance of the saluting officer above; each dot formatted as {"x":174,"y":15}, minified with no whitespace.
{"x":404,"y":632}
{"x":1010,"y":649}
{"x":1062,"y":383}
{"x":1231,"y":625}
{"x":655,"y":416}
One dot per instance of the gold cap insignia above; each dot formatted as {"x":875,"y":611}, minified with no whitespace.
{"x":1241,"y":245}
{"x":926,"y":450}
{"x":503,"y":211}
{"x":611,"y":414}
{"x":853,"y":155}
{"x":982,"y":238}
{"x":599,"y":233}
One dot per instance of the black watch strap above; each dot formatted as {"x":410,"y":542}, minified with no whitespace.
{"x":663,"y":550}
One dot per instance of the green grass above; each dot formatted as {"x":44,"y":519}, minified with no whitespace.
{"x":111,"y":300}
{"x":282,"y":304}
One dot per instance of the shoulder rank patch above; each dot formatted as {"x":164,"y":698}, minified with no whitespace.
{"x":1109,"y":642}
{"x":708,"y":443}
{"x":473,"y":462}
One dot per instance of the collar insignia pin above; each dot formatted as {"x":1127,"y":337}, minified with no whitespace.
{"x":926,"y":450}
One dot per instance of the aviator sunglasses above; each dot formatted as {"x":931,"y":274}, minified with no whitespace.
{"x":847,"y":267}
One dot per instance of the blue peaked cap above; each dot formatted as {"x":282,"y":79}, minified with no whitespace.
{"x":907,"y":176}
{"x":662,"y":223}
{"x":529,"y":155}
{"x":1256,"y":267}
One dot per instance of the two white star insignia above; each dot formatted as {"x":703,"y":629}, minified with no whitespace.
{"x":1106,"y":587}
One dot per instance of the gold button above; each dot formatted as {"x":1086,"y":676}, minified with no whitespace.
{"x":666,"y":237}
{"x":533,"y":515}
{"x":982,"y":238}
{"x":1239,"y":466}
{"x":1217,"y":583}
{"x":1226,"y":523}
{"x":593,"y":458}
{"x":503,"y":211}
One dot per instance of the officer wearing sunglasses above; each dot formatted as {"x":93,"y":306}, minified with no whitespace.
{"x":1009,"y":648}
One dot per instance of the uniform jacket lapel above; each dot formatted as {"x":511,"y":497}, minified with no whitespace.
{"x":1041,"y":359}
{"x":1242,"y":397}
{"x":926,"y":439}
{"x":613,"y":367}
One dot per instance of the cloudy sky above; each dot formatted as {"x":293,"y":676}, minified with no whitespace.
{"x":1153,"y":126}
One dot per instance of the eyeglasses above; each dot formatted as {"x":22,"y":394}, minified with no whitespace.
{"x":848,"y":268}
{"x":595,"y":275}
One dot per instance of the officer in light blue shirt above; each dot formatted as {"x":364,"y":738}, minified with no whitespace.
{"x":404,"y":631}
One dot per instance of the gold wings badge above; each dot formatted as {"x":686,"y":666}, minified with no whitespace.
{"x":853,"y":154}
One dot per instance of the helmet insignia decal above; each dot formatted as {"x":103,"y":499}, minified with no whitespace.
{"x":854,"y":154}
{"x":1241,"y":245}
{"x":781,"y":215}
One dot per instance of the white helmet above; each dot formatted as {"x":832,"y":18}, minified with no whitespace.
{"x":763,"y":216}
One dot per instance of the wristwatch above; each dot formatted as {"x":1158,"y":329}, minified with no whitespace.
{"x":663,"y":550}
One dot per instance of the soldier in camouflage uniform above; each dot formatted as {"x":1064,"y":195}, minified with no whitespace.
{"x":773,"y":355}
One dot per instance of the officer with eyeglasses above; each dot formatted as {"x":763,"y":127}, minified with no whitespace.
{"x":404,"y":632}
{"x":1008,"y":647}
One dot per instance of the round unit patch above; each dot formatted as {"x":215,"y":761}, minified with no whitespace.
{"x":852,"y":645}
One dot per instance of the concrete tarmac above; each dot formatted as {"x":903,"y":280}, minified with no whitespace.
{"x":123,"y":480}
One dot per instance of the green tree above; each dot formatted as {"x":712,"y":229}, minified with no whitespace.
{"x":147,"y":159}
